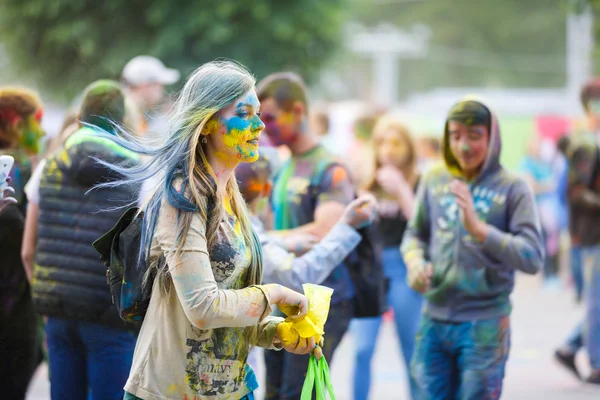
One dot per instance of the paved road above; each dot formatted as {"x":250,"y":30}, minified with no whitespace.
{"x":542,"y":318}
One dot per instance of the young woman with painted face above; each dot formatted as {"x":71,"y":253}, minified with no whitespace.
{"x":207,"y":306}
{"x":393,"y":185}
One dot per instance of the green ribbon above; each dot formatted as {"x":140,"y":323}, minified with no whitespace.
{"x":319,"y":378}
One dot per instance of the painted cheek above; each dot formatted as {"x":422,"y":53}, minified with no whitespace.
{"x":237,"y":132}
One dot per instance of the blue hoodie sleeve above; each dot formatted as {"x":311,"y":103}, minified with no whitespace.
{"x":415,"y":243}
{"x":522,"y":246}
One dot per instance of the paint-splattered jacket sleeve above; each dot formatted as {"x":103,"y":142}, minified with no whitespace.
{"x":581,"y":170}
{"x":205,"y":304}
{"x":415,"y":243}
{"x":522,"y":246}
{"x":285,"y":268}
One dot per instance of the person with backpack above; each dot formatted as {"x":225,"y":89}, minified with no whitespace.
{"x":21,"y":112}
{"x":90,"y":349}
{"x":583,"y":190}
{"x":204,"y":262}
{"x":474,"y":225}
{"x":285,"y":261}
{"x":308,"y":198}
{"x":299,"y":260}
{"x":394,"y":185}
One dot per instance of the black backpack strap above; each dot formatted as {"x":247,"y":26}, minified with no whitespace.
{"x":104,"y":244}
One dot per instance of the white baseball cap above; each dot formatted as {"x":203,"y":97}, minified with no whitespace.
{"x":148,"y":69}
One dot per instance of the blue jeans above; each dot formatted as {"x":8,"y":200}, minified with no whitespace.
{"x":85,"y":355}
{"x":591,"y":263}
{"x":577,"y":270}
{"x":575,"y":340}
{"x":407,"y":305}
{"x":461,"y":360}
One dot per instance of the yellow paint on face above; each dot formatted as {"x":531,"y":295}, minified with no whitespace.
{"x":241,"y":131}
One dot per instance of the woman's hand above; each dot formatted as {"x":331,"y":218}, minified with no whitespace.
{"x":419,"y":276}
{"x":302,"y":345}
{"x":292,"y":303}
{"x":391,"y":180}
{"x":6,"y":198}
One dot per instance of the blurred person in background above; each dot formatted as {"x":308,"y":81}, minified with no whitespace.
{"x":145,"y":78}
{"x":32,"y":190}
{"x":538,"y":170}
{"x":584,"y":197}
{"x":90,"y":348}
{"x":428,"y":153}
{"x":20,"y":351}
{"x":280,"y":264}
{"x":575,"y":260}
{"x":474,"y":225}
{"x":309,"y":197}
{"x":394,"y":184}
{"x":71,"y":124}
{"x":359,"y":157}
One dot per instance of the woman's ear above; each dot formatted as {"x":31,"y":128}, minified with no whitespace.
{"x":211,"y":126}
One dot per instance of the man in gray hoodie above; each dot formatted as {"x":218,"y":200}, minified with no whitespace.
{"x":475,"y":224}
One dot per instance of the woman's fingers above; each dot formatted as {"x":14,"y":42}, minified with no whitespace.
{"x":311,"y":344}
{"x":300,"y":346}
{"x":318,"y":352}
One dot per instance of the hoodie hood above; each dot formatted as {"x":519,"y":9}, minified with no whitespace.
{"x":492,"y":160}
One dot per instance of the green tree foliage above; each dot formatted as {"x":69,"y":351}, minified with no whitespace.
{"x":65,"y":44}
{"x":476,"y":43}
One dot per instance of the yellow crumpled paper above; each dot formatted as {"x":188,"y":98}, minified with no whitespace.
{"x":313,"y":323}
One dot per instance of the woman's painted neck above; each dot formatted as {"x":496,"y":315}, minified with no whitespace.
{"x":221,"y":168}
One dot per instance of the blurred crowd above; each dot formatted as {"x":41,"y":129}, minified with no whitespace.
{"x":235,"y":222}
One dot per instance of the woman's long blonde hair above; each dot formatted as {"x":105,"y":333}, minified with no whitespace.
{"x":181,"y":161}
{"x":409,"y":168}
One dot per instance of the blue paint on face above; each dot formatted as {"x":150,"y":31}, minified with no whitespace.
{"x":242,"y":130}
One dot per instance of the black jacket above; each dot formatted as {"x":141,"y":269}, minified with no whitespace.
{"x":69,"y":277}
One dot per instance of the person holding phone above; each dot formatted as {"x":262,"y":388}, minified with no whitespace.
{"x":475,"y":225}
{"x":20,"y":132}
{"x":6,"y":192}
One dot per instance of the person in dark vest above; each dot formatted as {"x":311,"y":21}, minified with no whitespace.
{"x":90,"y":347}
{"x":20,"y":350}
